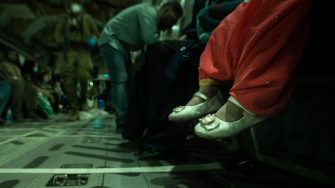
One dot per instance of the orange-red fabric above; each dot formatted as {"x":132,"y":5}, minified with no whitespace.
{"x":258,"y":47}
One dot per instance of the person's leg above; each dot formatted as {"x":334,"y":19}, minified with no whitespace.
{"x":137,"y":112}
{"x":84,"y":68}
{"x":230,"y":112}
{"x":209,"y":91}
{"x":255,"y":97}
{"x":16,"y":99}
{"x":229,"y":120}
{"x":117,"y":65}
{"x":70,"y":85}
{"x":5,"y":92}
{"x":206,"y":100}
{"x":169,"y":72}
{"x":30,"y":100}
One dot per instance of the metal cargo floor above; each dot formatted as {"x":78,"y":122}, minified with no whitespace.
{"x":90,"y":154}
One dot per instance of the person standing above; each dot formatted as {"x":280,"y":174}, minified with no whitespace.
{"x":256,"y":48}
{"x":76,"y":32}
{"x":130,"y":30}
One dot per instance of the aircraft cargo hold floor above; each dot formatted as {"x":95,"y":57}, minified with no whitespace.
{"x":90,"y":154}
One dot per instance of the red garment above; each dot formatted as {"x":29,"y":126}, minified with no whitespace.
{"x":258,"y":47}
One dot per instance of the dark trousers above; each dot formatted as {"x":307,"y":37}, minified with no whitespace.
{"x":75,"y":68}
{"x":5,"y":92}
{"x":168,"y":78}
{"x":118,"y":66}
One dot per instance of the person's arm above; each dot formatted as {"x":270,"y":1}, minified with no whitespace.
{"x":93,"y":30}
{"x":90,"y":31}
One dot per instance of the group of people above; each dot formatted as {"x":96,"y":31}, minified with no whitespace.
{"x":76,"y":32}
{"x":22,"y":87}
{"x":253,"y":51}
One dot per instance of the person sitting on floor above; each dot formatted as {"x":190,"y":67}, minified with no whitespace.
{"x":5,"y":91}
{"x":130,"y":30}
{"x":257,"y":48}
{"x":159,"y":85}
{"x":24,"y":96}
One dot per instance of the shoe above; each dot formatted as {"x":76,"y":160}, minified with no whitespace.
{"x":152,"y":154}
{"x":84,"y":107}
{"x":149,"y":155}
{"x":211,"y":127}
{"x":187,"y":113}
{"x":74,"y":116}
{"x":33,"y":116}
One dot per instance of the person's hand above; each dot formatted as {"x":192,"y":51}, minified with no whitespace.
{"x":91,"y":41}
